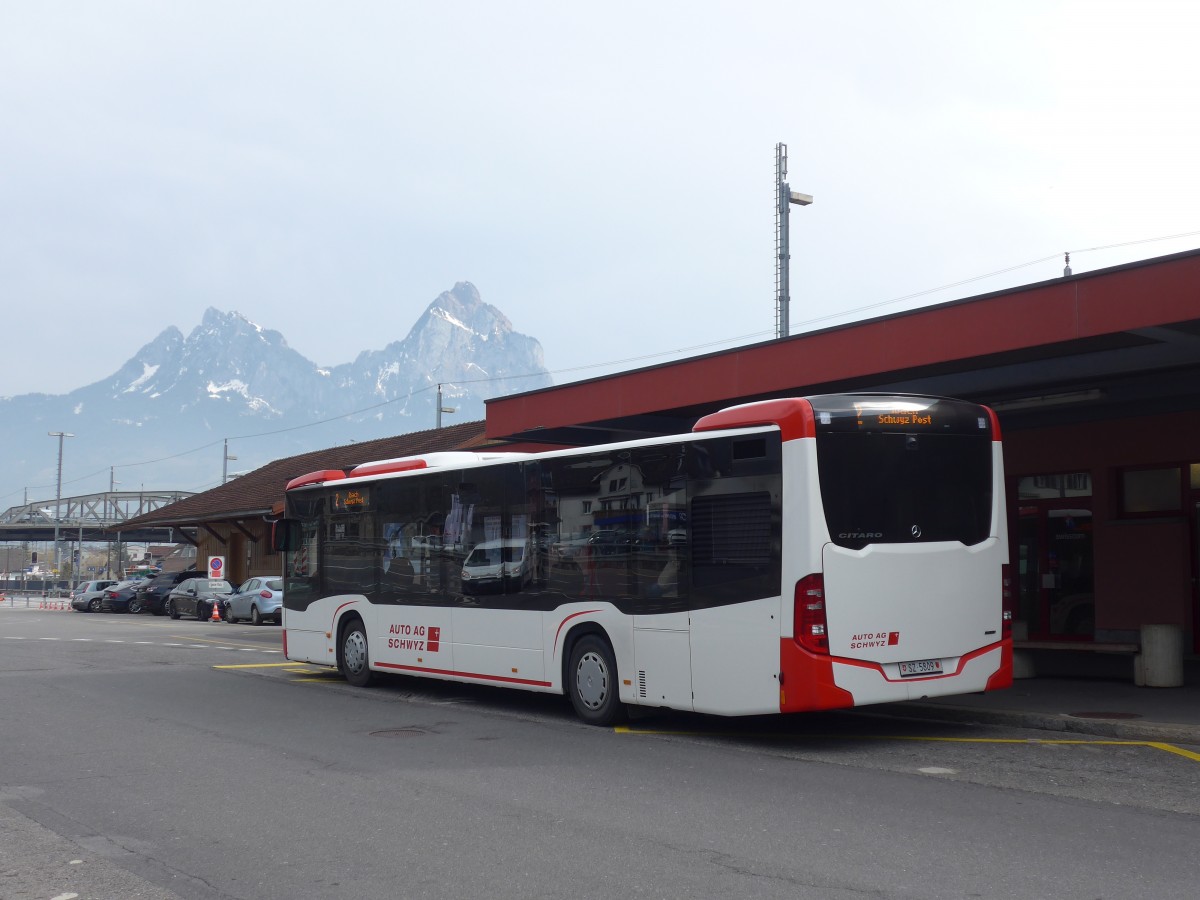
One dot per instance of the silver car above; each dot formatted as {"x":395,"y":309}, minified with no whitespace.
{"x":258,"y":599}
{"x":87,"y":597}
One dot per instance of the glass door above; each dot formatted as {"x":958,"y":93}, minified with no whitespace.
{"x":1055,"y":582}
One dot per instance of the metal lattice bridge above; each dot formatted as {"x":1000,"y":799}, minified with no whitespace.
{"x":89,"y":517}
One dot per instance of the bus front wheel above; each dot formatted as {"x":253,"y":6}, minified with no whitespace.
{"x":356,"y":661}
{"x":592,"y":681}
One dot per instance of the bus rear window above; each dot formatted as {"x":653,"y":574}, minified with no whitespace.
{"x":894,"y":487}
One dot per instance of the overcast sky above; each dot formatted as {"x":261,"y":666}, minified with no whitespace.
{"x":604,"y":174}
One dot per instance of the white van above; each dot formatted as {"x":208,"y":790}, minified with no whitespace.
{"x":496,"y":566}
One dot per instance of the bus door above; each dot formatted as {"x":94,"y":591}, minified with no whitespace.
{"x":734,"y":553}
{"x":646,"y":570}
{"x":496,"y":623}
{"x":305,"y":633}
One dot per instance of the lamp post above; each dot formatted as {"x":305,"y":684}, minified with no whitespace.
{"x":784,"y":197}
{"x":442,"y":409}
{"x":58,"y":498}
{"x":225,"y":463}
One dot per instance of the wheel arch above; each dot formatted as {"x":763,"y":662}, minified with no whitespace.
{"x":344,"y":621}
{"x":573,"y":636}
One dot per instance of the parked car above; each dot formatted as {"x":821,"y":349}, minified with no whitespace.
{"x":258,"y":599}
{"x":122,"y":597}
{"x":153,"y":594}
{"x":87,"y":597}
{"x":196,"y":596}
{"x":609,"y":542}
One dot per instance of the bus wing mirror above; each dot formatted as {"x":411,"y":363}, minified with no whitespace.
{"x":285,"y":535}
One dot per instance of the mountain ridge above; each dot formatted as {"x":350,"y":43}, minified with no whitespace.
{"x":230,"y":378}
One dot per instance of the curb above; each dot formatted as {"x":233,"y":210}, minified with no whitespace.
{"x":1164,"y":732}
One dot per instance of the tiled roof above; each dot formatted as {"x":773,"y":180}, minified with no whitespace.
{"x":254,"y":493}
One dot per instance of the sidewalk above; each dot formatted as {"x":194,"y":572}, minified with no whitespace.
{"x":1102,"y":707}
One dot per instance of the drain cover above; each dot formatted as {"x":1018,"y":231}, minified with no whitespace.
{"x":410,"y":731}
{"x":1104,"y":715}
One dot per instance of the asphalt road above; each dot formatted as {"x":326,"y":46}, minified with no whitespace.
{"x":145,"y":758}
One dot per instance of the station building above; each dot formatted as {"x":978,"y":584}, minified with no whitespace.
{"x":1096,"y":382}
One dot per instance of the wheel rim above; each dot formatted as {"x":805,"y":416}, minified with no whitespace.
{"x":354,"y":652}
{"x":591,"y":680}
{"x":94,"y":605}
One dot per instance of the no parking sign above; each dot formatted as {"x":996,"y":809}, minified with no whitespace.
{"x":216,"y":567}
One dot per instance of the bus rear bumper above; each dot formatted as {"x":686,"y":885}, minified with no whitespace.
{"x":812,"y":682}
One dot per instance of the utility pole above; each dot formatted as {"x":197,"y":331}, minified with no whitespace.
{"x":110,"y":515}
{"x":784,"y":197}
{"x":58,"y":498}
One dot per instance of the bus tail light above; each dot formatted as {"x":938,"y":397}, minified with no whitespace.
{"x":809,"y":623}
{"x":1006,"y":593}
{"x":284,"y":636}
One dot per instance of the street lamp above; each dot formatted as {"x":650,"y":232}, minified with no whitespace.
{"x":442,"y":409}
{"x":225,"y":463}
{"x":58,"y":498}
{"x":785,"y":197}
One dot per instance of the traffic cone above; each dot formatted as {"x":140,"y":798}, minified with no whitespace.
{"x":216,"y":615}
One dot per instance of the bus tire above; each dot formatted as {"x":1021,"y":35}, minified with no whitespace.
{"x":355,"y":655}
{"x":592,"y":681}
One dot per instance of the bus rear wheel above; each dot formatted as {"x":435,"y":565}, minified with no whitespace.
{"x":356,"y":660}
{"x":592,"y":681}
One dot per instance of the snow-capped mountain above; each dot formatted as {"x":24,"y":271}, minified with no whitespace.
{"x":230,"y":378}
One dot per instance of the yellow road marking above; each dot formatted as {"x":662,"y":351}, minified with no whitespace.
{"x":1157,"y":745}
{"x":197,"y":640}
{"x":1171,"y":748}
{"x":257,"y":666}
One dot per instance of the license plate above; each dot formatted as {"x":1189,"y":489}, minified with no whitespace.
{"x":920,"y":667}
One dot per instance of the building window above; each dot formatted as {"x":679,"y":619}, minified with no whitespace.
{"x":1054,"y":487}
{"x":1151,"y":490}
{"x":1195,"y":467}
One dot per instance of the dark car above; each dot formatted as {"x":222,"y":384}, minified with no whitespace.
{"x":122,"y":597}
{"x":196,"y":596}
{"x":153,"y":594}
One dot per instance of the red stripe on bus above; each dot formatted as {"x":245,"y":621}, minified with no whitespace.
{"x":554,"y":649}
{"x":319,"y":477}
{"x":504,"y":678}
{"x":995,"y":420}
{"x":794,"y":416}
{"x":387,"y":466}
{"x":333,"y":624}
{"x":878,"y":667}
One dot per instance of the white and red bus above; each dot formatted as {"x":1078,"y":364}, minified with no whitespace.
{"x":786,"y":555}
